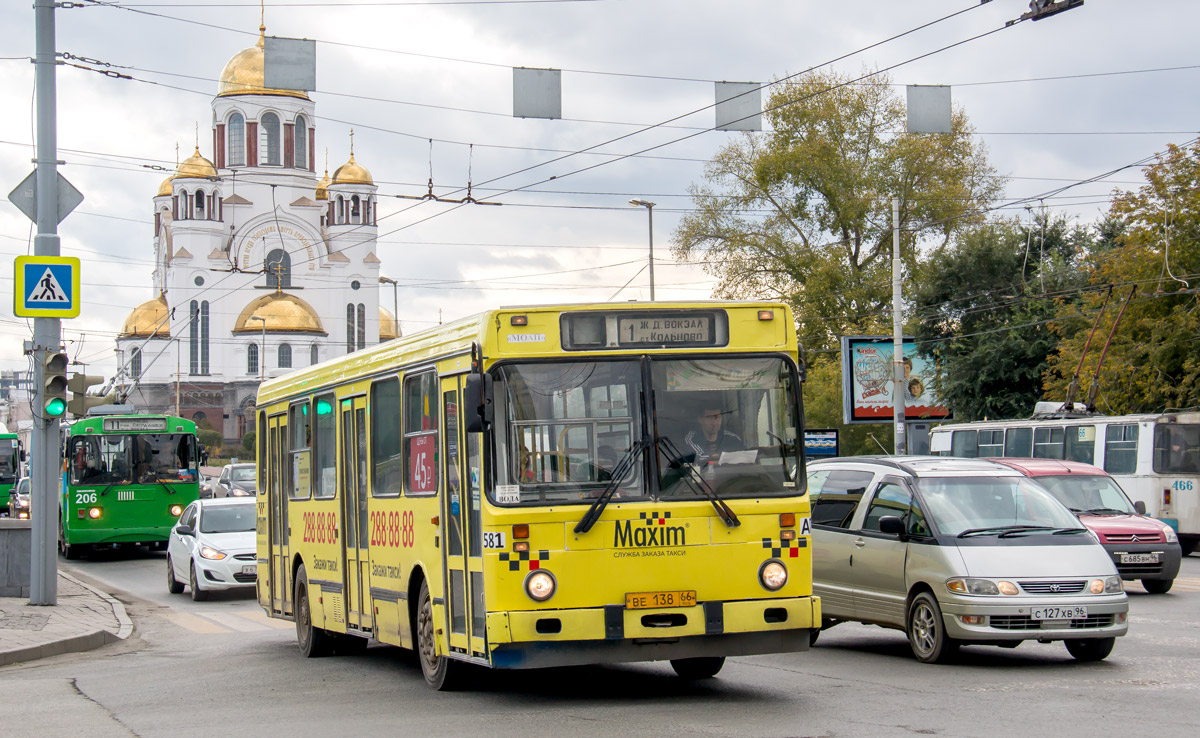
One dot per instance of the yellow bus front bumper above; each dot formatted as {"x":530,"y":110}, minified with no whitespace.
{"x":612,"y":634}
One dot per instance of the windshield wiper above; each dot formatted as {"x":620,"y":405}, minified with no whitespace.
{"x":1067,"y":531}
{"x":619,"y":471}
{"x":998,"y":529}
{"x":1104,"y":510}
{"x":1027,"y":529}
{"x":724,"y":512}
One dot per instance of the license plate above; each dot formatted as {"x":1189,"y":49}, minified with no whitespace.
{"x":251,"y":569}
{"x":647,"y":600}
{"x":1146,"y":558}
{"x":1079,"y":612}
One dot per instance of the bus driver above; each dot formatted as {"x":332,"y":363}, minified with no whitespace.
{"x":710,"y":440}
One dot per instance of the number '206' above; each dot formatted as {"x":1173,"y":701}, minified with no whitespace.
{"x":1182,"y":485}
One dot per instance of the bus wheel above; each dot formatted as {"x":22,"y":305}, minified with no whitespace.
{"x":1188,"y":545}
{"x":705,"y":667}
{"x":1157,"y":586}
{"x":67,"y":550}
{"x":174,"y":586}
{"x":441,"y":672}
{"x":313,"y":642}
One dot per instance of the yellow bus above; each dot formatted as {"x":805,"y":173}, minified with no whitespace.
{"x":545,"y":486}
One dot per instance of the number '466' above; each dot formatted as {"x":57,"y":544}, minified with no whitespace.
{"x":1182,"y":485}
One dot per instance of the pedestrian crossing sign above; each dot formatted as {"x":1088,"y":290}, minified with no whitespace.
{"x":46,"y":287}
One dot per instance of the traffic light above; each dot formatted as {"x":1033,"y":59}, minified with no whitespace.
{"x":80,"y":402}
{"x":54,"y":384}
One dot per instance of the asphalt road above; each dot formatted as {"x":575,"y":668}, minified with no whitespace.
{"x":220,"y":668}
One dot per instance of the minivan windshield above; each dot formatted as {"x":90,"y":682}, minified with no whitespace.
{"x":960,"y":504}
{"x":1088,"y":493}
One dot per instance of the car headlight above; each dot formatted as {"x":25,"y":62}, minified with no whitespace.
{"x":22,"y":503}
{"x":972,"y":586}
{"x":773,"y":575}
{"x":238,"y":492}
{"x":540,"y":585}
{"x":1112,"y":585}
{"x":1169,"y":534}
{"x":208,"y":552}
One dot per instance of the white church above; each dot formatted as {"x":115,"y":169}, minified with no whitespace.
{"x":259,"y":266}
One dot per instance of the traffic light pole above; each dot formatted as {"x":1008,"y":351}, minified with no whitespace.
{"x":44,"y":465}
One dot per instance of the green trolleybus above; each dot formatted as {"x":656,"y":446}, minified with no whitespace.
{"x":126,"y":479}
{"x":10,"y":464}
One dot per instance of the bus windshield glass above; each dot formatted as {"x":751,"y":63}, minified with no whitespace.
{"x":1085,"y":493}
{"x":1177,"y":448}
{"x":150,"y":458}
{"x":9,"y":461}
{"x":564,"y":429}
{"x":958,"y":504}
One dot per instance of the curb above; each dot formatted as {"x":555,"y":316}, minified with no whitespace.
{"x":79,"y":643}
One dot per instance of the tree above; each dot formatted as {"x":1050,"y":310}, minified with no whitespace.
{"x":248,"y":442}
{"x":983,"y":305}
{"x":1153,"y":363}
{"x":803,"y":214}
{"x":211,"y":440}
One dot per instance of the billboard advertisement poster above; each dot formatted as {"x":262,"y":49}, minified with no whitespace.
{"x":867,"y":385}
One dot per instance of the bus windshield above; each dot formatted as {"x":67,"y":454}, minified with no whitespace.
{"x":9,"y":461}
{"x":564,"y":429}
{"x":151,"y":458}
{"x":1177,"y":448}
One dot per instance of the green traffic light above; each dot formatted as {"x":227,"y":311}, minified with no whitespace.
{"x":56,"y":407}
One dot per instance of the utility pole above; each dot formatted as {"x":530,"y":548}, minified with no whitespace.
{"x":900,"y":445}
{"x":44,"y":440}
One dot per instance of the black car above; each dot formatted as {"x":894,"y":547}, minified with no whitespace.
{"x":236,"y":480}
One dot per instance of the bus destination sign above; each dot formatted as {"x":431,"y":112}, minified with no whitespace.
{"x":687,"y":329}
{"x":125,"y":425}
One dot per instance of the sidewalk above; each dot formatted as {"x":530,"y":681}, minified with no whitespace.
{"x":84,"y":618}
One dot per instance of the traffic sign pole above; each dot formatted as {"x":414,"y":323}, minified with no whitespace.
{"x":44,"y":465}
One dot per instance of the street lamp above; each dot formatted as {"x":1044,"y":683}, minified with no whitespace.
{"x":649,"y":211}
{"x":262,"y":354}
{"x":395,"y":311}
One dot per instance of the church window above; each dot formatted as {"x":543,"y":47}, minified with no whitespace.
{"x":135,"y":362}
{"x":314,"y":354}
{"x":252,"y":358}
{"x":200,"y":204}
{"x":268,"y":146}
{"x":279,"y":269}
{"x":285,"y":356}
{"x":198,"y":338}
{"x":341,"y":210}
{"x":362,"y":326}
{"x":301,"y":143}
{"x":355,"y":210}
{"x":349,"y":328}
{"x":237,"y":140}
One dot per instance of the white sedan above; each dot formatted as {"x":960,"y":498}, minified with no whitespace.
{"x":212,"y":547}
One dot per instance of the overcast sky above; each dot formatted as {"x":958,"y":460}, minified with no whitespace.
{"x":442,"y":70}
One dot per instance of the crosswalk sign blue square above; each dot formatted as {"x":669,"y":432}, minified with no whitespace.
{"x":46,"y":287}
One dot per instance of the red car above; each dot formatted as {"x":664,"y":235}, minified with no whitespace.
{"x":1141,"y":547}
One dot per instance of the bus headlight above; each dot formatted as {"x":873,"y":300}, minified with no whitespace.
{"x":209,"y":552}
{"x":773,"y":575}
{"x":176,"y":510}
{"x":93,"y":513}
{"x":540,"y":585}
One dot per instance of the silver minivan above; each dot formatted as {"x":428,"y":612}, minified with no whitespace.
{"x":958,"y":551}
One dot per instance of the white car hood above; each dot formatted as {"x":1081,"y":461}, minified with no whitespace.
{"x":232,"y":543}
{"x":1008,"y":561}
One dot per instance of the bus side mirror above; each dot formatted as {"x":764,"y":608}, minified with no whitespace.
{"x":477,"y":399}
{"x":1139,"y":507}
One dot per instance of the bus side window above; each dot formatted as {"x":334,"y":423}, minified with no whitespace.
{"x":1048,"y":443}
{"x":1018,"y":443}
{"x":1120,"y":449}
{"x":1081,"y":443}
{"x":964,"y":444}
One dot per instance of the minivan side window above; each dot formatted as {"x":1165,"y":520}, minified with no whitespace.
{"x":835,"y":495}
{"x":890,"y":499}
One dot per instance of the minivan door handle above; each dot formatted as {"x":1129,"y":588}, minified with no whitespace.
{"x":859,"y":543}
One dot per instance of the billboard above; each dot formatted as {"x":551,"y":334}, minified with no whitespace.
{"x":867,"y":382}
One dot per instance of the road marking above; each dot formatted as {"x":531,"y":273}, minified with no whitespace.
{"x":233,"y":622}
{"x":259,"y":616}
{"x":194,"y":623}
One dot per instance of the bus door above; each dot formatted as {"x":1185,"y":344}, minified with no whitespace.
{"x":277,"y":522}
{"x":463,"y":549}
{"x":356,"y":574}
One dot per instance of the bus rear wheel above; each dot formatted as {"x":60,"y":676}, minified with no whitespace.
{"x":313,"y":641}
{"x":441,"y":673}
{"x":67,"y":550}
{"x":704,"y":667}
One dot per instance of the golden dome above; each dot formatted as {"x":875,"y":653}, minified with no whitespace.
{"x":148,"y":320}
{"x":387,"y":325}
{"x":352,"y":173}
{"x":243,"y":75}
{"x":196,"y":166}
{"x":323,"y":187}
{"x":165,"y":187}
{"x":283,"y":313}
